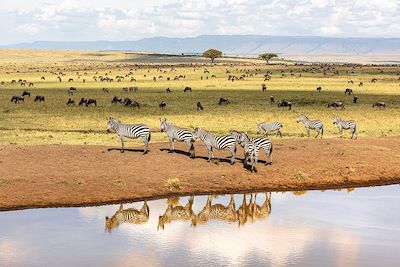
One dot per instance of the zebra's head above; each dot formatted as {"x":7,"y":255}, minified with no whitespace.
{"x":198,"y":133}
{"x":301,"y":118}
{"x":111,"y":124}
{"x":259,"y":128}
{"x":164,"y":124}
{"x":336,"y":119}
{"x":235,"y":134}
{"x":244,"y":139}
{"x":113,"y":221}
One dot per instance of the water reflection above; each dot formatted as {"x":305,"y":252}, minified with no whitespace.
{"x":249,"y":210}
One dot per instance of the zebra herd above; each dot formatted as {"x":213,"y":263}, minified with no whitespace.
{"x":250,"y":145}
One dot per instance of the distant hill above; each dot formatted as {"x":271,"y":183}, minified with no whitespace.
{"x":236,"y":45}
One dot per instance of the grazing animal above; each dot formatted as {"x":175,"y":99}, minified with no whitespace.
{"x":130,"y":131}
{"x":267,"y":127}
{"x":91,"y":101}
{"x":350,"y":81}
{"x":178,"y":134}
{"x":360,"y":84}
{"x":216,"y":212}
{"x":379,"y":105}
{"x":345,"y":125}
{"x":43,"y":78}
{"x":311,"y":124}
{"x":348,"y":91}
{"x":178,"y":213}
{"x":71,"y":91}
{"x":187,"y":89}
{"x":162,"y":105}
{"x":263,"y":87}
{"x":105,"y":90}
{"x":374,"y":80}
{"x":355,"y":98}
{"x":217,"y":142}
{"x":116,"y":99}
{"x":26,"y":93}
{"x":336,"y":104}
{"x":132,"y":103}
{"x":70,"y":80}
{"x":168,"y":90}
{"x":283,"y":104}
{"x":223,"y":101}
{"x":30,"y":84}
{"x":199,"y":106}
{"x":319,"y":88}
{"x":271,"y":99}
{"x":70,"y":102}
{"x":39,"y":98}
{"x":17,"y":99}
{"x":83,"y":101}
{"x":128,"y":216}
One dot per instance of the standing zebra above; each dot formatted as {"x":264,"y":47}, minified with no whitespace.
{"x":217,"y":142}
{"x":270,"y":127}
{"x":131,"y":131}
{"x":309,"y":124}
{"x":345,"y":125}
{"x":178,"y":134}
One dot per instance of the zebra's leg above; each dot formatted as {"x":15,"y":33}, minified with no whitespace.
{"x":318,"y":132}
{"x":122,"y":144}
{"x":171,"y":145}
{"x":308,"y":132}
{"x":191,"y":148}
{"x":233,"y":152}
{"x":268,"y":160}
{"x":146,"y":144}
{"x":210,"y":154}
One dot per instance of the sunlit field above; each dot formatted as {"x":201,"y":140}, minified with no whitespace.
{"x":52,"y":122}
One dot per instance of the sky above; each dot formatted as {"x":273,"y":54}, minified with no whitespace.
{"x":124,"y":20}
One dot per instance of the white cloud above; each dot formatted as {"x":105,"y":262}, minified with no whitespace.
{"x":75,"y":20}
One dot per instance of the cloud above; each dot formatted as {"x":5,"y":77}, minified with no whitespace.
{"x":74,"y":20}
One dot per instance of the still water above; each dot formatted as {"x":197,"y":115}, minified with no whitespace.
{"x":331,"y":228}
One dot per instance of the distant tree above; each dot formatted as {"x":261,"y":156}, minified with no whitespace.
{"x":212,"y":54}
{"x":267,"y":56}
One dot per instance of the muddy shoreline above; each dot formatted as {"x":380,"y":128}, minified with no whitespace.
{"x":43,"y":176}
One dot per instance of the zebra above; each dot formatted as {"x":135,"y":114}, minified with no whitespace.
{"x":131,"y":215}
{"x":270,"y":127}
{"x":309,"y":124}
{"x":178,"y":134}
{"x":217,"y":142}
{"x":345,"y":125}
{"x":131,"y":131}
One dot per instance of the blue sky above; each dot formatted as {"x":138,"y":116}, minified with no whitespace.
{"x":88,"y":20}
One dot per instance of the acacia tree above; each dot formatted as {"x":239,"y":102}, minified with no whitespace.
{"x":267,"y":56}
{"x":212,"y":54}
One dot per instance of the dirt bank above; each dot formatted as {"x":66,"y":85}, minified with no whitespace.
{"x":61,"y":175}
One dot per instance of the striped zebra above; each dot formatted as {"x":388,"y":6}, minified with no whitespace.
{"x":178,"y":134}
{"x":309,"y":124}
{"x":128,"y":216}
{"x":252,"y":147}
{"x":270,"y":127}
{"x":131,"y":131}
{"x":217,"y":142}
{"x":345,"y":125}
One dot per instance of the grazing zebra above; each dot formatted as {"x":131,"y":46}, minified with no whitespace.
{"x":270,"y":127}
{"x":131,"y":131}
{"x":309,"y":124}
{"x":345,"y":125}
{"x":379,"y":105}
{"x":217,"y":142}
{"x":128,"y":215}
{"x":178,"y":134}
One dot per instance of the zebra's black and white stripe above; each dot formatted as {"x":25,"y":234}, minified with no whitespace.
{"x":217,"y":142}
{"x":346,"y":125}
{"x":311,"y":124}
{"x":270,"y":127}
{"x":131,"y":215}
{"x":131,"y":131}
{"x":178,"y":134}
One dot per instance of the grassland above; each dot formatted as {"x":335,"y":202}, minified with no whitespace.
{"x":53,"y":122}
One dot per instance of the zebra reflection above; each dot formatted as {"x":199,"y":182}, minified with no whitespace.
{"x":130,"y":215}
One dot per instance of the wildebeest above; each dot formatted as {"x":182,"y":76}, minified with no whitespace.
{"x":355,"y":98}
{"x":43,"y":78}
{"x":199,"y":106}
{"x":105,"y":90}
{"x":360,"y":84}
{"x":187,"y":89}
{"x":70,"y":102}
{"x":168,"y":90}
{"x":350,"y":81}
{"x":348,"y":91}
{"x":336,"y":104}
{"x":71,"y":90}
{"x":70,"y":80}
{"x":30,"y":84}
{"x":374,"y":80}
{"x":39,"y":98}
{"x":17,"y":99}
{"x":116,"y":99}
{"x":223,"y":101}
{"x":91,"y":101}
{"x":83,"y":101}
{"x":26,"y":93}
{"x":130,"y":102}
{"x":162,"y":105}
{"x":283,"y":104}
{"x":379,"y":104}
{"x":263,"y":87}
{"x":319,"y":88}
{"x":271,"y":99}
